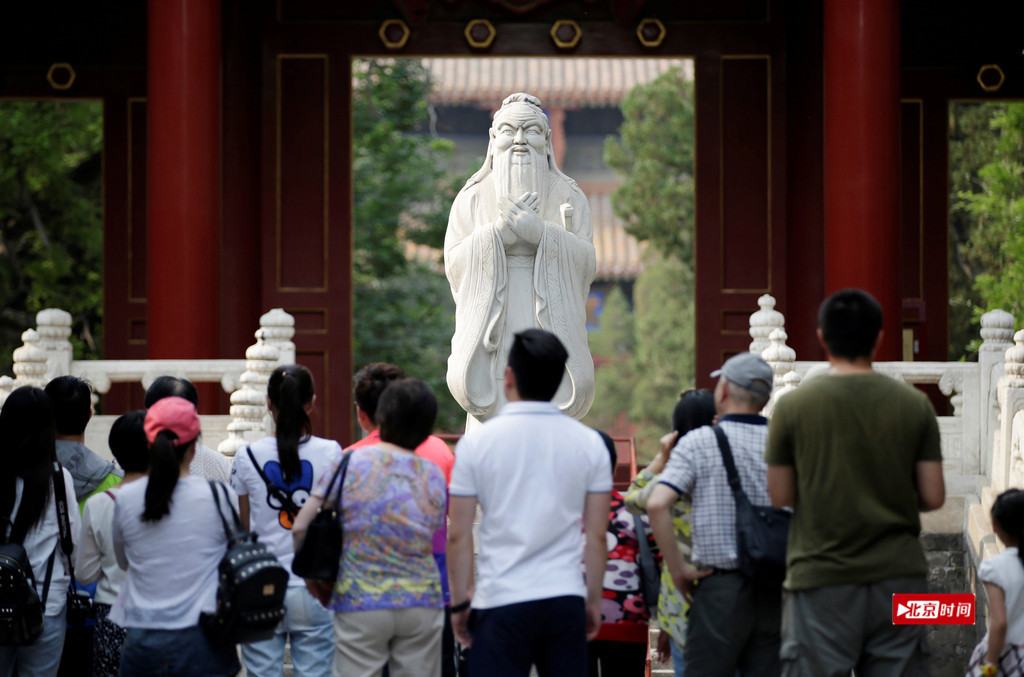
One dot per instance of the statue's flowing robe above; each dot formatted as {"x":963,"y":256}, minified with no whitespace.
{"x":497,"y":294}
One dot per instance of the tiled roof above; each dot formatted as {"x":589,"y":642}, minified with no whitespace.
{"x":573,"y":82}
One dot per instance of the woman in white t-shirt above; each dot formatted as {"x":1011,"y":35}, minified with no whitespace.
{"x":28,"y":515}
{"x":168,"y":538}
{"x":273,"y":477}
{"x":94,"y":557}
{"x":1001,"y":650}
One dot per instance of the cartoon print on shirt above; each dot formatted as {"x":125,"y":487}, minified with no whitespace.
{"x":298,"y":489}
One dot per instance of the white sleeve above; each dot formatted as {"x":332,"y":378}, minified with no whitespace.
{"x":463,"y":478}
{"x":118,"y":538}
{"x":238,"y":472}
{"x":87,"y":552}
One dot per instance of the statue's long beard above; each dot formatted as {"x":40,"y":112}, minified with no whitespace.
{"x":518,"y":173}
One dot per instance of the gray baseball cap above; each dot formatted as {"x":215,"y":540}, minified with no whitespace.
{"x":749,"y":371}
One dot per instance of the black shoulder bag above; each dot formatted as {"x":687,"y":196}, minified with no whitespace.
{"x":277,"y":492}
{"x":81,"y":613}
{"x":250,"y":588}
{"x":761,"y":531}
{"x":319,"y":555}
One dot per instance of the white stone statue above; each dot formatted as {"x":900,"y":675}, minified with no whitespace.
{"x":518,"y":253}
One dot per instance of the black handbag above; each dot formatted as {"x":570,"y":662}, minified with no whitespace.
{"x":762,"y":532}
{"x":650,"y":572}
{"x":319,"y":555}
{"x":80,"y":609}
{"x":250,"y":589}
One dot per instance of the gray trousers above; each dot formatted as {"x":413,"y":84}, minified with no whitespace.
{"x":733,"y":625}
{"x":832,"y":630}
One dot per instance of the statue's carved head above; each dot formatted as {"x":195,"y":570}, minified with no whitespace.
{"x":519,"y":121}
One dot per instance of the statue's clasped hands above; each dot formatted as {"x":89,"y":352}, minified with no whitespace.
{"x":520,"y":219}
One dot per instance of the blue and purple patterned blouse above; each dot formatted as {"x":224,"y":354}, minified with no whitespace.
{"x":393,"y":502}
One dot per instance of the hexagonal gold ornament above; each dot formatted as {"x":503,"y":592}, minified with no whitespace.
{"x":985,"y":77}
{"x":480,"y":33}
{"x":394,"y":33}
{"x":651,"y":32}
{"x":61,"y":76}
{"x":566,"y":33}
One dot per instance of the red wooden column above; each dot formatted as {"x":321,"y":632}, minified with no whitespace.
{"x":862,"y":155}
{"x":183,"y":81}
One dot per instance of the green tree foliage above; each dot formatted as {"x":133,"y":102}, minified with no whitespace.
{"x":51,"y":222}
{"x":613,"y":346}
{"x":655,"y":155}
{"x":971,"y":146}
{"x":994,"y":249}
{"x":664,"y":362}
{"x":404,"y":312}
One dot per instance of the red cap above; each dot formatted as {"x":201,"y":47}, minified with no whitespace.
{"x":175,"y":414}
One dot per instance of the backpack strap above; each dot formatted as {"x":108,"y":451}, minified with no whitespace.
{"x":277,"y":492}
{"x":216,"y":500}
{"x":110,"y":493}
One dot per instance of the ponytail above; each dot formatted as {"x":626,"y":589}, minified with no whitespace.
{"x":1008,"y":513}
{"x":290,"y":389}
{"x":165,"y":458}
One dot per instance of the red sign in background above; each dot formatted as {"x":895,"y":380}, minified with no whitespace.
{"x":933,"y":609}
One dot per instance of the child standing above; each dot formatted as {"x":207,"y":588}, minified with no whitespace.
{"x":1001,"y":650}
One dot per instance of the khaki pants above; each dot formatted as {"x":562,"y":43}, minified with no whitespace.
{"x":407,"y":640}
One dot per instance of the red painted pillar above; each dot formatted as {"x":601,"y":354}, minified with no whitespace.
{"x":862,"y":156}
{"x":183,"y":80}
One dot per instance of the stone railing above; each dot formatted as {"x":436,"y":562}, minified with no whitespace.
{"x":47,"y":353}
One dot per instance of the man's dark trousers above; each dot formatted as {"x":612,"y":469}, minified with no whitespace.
{"x":549,"y":633}
{"x":733,"y":625}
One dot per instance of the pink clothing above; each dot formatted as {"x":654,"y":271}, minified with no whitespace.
{"x":433,"y":449}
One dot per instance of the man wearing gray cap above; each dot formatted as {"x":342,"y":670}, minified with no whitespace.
{"x":734,"y":621}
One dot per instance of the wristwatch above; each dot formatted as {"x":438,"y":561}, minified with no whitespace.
{"x":462,"y":606}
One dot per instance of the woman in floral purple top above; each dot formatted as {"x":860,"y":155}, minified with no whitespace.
{"x":387,"y":602}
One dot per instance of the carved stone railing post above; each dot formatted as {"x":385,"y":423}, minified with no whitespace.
{"x":54,"y":327}
{"x":278,"y":329}
{"x":780,"y":356}
{"x":249,"y":403}
{"x":30,"y":361}
{"x":763,"y":322}
{"x":997,"y":338}
{"x":1007,"y":462}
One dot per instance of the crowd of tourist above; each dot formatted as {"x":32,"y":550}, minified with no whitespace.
{"x":842,"y":470}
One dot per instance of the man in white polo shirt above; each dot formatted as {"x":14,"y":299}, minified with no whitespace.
{"x":538,"y":476}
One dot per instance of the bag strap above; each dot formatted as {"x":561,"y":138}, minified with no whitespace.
{"x":730,"y":464}
{"x":67,"y":545}
{"x":216,"y":500}
{"x":341,"y":470}
{"x":277,"y":492}
{"x":110,"y":493}
{"x":49,"y":576}
{"x":649,"y":575}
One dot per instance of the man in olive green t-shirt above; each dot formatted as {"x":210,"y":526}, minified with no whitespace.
{"x":857,"y":456}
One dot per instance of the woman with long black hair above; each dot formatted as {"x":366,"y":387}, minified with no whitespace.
{"x":168,"y":538}
{"x":273,"y":477}
{"x":28,"y":515}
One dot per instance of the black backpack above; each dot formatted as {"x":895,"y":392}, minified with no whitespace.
{"x":21,"y":610}
{"x":250,"y":589}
